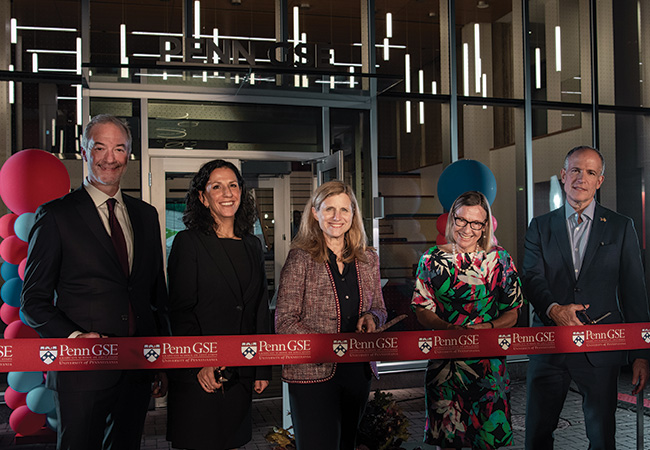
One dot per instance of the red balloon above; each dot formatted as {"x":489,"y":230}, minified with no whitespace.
{"x":7,"y":225}
{"x":21,"y":269}
{"x":13,"y":250}
{"x":15,"y":399}
{"x":9,"y":313}
{"x":441,"y":223}
{"x":18,"y":330}
{"x":25,"y":422}
{"x":30,"y":178}
{"x":440,"y":240}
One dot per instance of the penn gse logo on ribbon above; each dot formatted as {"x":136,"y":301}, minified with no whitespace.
{"x":579,"y":338}
{"x":425,"y":344}
{"x":48,"y":354}
{"x":505,"y":341}
{"x":645,"y":334}
{"x":151,"y":352}
{"x":340,"y":347}
{"x":249,"y":349}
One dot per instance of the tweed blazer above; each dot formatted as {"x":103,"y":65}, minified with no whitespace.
{"x":307,"y":303}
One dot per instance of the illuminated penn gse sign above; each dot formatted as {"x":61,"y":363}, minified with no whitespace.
{"x":231,"y":52}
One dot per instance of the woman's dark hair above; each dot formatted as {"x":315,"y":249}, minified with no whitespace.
{"x":198,"y":217}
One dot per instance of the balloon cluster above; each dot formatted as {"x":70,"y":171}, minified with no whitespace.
{"x":27,"y":179}
{"x":457,"y":178}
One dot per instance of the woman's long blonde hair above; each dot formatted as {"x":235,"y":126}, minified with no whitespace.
{"x":310,"y":236}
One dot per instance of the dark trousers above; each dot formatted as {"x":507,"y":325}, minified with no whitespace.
{"x":547,"y":385}
{"x":326,"y":415}
{"x":105,"y":419}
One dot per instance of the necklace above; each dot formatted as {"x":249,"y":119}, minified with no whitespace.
{"x":475,"y":259}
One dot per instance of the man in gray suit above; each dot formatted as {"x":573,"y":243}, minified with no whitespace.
{"x":582,"y":263}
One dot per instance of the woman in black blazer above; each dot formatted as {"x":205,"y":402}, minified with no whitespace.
{"x":217,"y":286}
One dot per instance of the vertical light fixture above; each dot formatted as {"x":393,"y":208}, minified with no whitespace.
{"x":252,"y":79}
{"x":351,"y":77}
{"x":434,"y":87}
{"x":332,"y":83}
{"x":558,"y":50}
{"x":12,"y":98}
{"x":466,"y":69}
{"x":386,"y":49}
{"x":14,"y":31}
{"x":296,"y":39}
{"x":305,"y":78}
{"x":421,"y":91}
{"x":484,"y":83}
{"x":538,"y":68}
{"x":79,"y":106}
{"x":389,"y":25}
{"x":215,"y":39}
{"x":34,"y":62}
{"x":78,"y":57}
{"x":53,"y":132}
{"x":204,"y":76}
{"x":477,"y":56}
{"x":197,"y":21}
{"x":407,"y":89}
{"x":123,"y":58}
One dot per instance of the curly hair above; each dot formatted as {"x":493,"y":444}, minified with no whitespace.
{"x":198,"y":217}
{"x":472,"y":198}
{"x":310,"y":236}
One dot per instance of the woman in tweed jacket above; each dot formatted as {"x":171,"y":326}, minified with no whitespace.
{"x":329,"y":284}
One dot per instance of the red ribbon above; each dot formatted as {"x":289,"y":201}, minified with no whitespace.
{"x":258,"y":350}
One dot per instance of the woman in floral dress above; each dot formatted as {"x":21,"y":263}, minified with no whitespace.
{"x":469,"y":283}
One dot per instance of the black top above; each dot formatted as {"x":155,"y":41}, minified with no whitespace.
{"x":236,"y":252}
{"x":347,"y":291}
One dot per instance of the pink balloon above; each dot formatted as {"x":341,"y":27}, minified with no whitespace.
{"x":440,"y":240}
{"x":13,"y":250}
{"x":18,"y":330}
{"x":30,"y":178}
{"x":15,"y":399}
{"x":7,"y":225}
{"x":494,"y":224}
{"x":21,"y":269}
{"x":25,"y":422}
{"x":441,"y":223}
{"x":9,"y":314}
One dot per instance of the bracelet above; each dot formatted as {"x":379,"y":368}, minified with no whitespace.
{"x":491,"y":324}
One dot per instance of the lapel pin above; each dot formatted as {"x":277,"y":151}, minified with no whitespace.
{"x":603,"y":219}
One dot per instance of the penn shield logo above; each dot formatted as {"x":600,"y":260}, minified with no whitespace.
{"x":48,"y":354}
{"x":425,"y":344}
{"x":579,"y":338}
{"x":249,"y":349}
{"x":340,"y":347}
{"x":505,"y":341}
{"x":151,"y":352}
{"x":645,"y":334}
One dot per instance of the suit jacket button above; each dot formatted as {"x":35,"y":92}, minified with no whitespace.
{"x":125,"y":317}
{"x":576,"y":289}
{"x":239,"y":308}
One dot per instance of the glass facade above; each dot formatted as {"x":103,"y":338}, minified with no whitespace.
{"x":402,"y":88}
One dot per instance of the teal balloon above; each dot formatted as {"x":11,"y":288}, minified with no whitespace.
{"x":52,"y":420}
{"x":40,"y":400}
{"x":23,"y":225}
{"x":466,"y":175}
{"x":10,"y":291}
{"x":24,"y":381}
{"x":8,"y":271}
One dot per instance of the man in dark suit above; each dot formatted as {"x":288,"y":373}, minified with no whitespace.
{"x":95,"y":270}
{"x":582,"y":262}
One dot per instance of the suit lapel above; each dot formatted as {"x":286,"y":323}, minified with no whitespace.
{"x":598,"y":228}
{"x":89,"y":215}
{"x":559,"y":231}
{"x":138,"y":230}
{"x":218,"y":255}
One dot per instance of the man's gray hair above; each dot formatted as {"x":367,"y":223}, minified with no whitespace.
{"x":580,"y":148}
{"x":103,"y":119}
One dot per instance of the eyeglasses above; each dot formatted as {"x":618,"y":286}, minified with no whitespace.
{"x":461,"y":223}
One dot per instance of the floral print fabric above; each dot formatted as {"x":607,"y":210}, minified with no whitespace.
{"x":467,"y":399}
